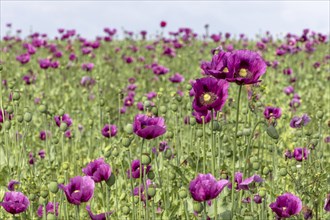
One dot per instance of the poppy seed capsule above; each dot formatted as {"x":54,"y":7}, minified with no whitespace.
{"x":53,"y":187}
{"x":199,"y":133}
{"x":168,"y":153}
{"x":27,"y":117}
{"x":42,"y":201}
{"x":169,"y":134}
{"x":16,"y":96}
{"x":151,"y":175}
{"x":126,"y":210}
{"x":136,"y":199}
{"x":283,"y":172}
{"x":129,"y":129}
{"x":319,"y":114}
{"x":51,"y":216}
{"x":19,"y":118}
{"x":188,"y":87}
{"x":44,"y":193}
{"x":55,"y":140}
{"x":63,"y":126}
{"x":183,"y":194}
{"x":115,"y":152}
{"x":147,"y":104}
{"x":151,"y":191}
{"x":262,"y":193}
{"x":272,"y":132}
{"x":126,"y":142}
{"x":174,"y":107}
{"x":198,"y":207}
{"x":10,"y":109}
{"x":255,"y":165}
{"x":42,"y":108}
{"x":163,"y":109}
{"x":60,"y":180}
{"x":154,"y":111}
{"x":265,"y":171}
{"x":145,"y":159}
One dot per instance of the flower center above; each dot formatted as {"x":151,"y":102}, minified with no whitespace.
{"x":207,"y":98}
{"x":225,"y":70}
{"x":243,"y":72}
{"x":76,"y":191}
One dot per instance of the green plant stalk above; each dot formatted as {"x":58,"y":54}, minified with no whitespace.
{"x":213,"y":162}
{"x":234,"y":152}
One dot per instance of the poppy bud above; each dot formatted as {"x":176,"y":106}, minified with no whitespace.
{"x":163,"y":109}
{"x":51,"y":216}
{"x":183,"y":194}
{"x":147,"y":104}
{"x":42,"y":201}
{"x":255,"y":165}
{"x":146,"y":159}
{"x":44,"y":194}
{"x":63,"y":126}
{"x":174,"y":107}
{"x":7,"y":125}
{"x":198,"y":207}
{"x":151,"y":175}
{"x":199,"y":133}
{"x":60,"y":180}
{"x":154,"y":111}
{"x":188,"y":87}
{"x":262,"y":192}
{"x":168,"y":153}
{"x":126,"y":142}
{"x":10,"y":109}
{"x":111,"y":181}
{"x":169,"y":134}
{"x":27,"y":116}
{"x":283,"y":172}
{"x":265,"y":171}
{"x":55,"y":140}
{"x":129,"y":129}
{"x":61,"y":112}
{"x":53,"y":187}
{"x":271,"y":131}
{"x":16,"y":96}
{"x":42,"y":108}
{"x":151,"y":191}
{"x":319,"y":114}
{"x":126,"y":210}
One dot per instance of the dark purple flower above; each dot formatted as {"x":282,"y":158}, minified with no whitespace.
{"x":87,"y":81}
{"x":218,"y":67}
{"x":210,"y":94}
{"x":15,"y":202}
{"x":140,"y":190}
{"x":23,"y":58}
{"x":288,"y":90}
{"x":80,"y":189}
{"x":151,"y":95}
{"x":327,"y":203}
{"x":176,"y":78}
{"x":140,"y":106}
{"x":44,"y":135}
{"x":244,"y":184}
{"x":246,"y":200}
{"x":301,"y":153}
{"x":245,"y":67}
{"x":272,"y":112}
{"x":29,"y":79}
{"x":199,"y":117}
{"x":298,"y":122}
{"x":205,"y":187}
{"x":49,"y":209}
{"x":109,"y":130}
{"x":68,"y":134}
{"x":257,"y":199}
{"x":87,"y":66}
{"x":42,"y":154}
{"x":44,"y":63}
{"x":135,"y":169}
{"x":98,"y":170}
{"x":4,"y":115}
{"x":327,"y":139}
{"x":128,"y":101}
{"x":163,"y":24}
{"x":160,"y":70}
{"x":286,"y":205}
{"x":287,"y":71}
{"x":288,"y":154}
{"x":72,"y":57}
{"x":102,"y":216}
{"x":65,"y":119}
{"x":163,"y":146}
{"x":148,"y":127}
{"x":11,"y":185}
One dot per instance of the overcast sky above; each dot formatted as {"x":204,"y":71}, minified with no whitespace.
{"x":90,"y":17}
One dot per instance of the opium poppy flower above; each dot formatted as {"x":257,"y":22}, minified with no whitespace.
{"x":286,"y":205}
{"x":272,"y":112}
{"x":50,"y":208}
{"x":102,"y":216}
{"x":15,"y":202}
{"x":148,"y":127}
{"x":210,"y":94}
{"x":98,"y":170}
{"x":245,"y":67}
{"x":218,"y":67}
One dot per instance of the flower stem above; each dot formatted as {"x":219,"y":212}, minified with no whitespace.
{"x":213,"y":161}
{"x":234,"y":152}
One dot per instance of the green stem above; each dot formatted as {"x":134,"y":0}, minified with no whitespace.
{"x":213,"y":161}
{"x":234,"y":153}
{"x":204,"y":148}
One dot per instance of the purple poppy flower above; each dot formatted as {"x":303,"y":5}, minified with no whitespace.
{"x":11,"y":185}
{"x":205,"y":187}
{"x":109,"y":130}
{"x":29,"y":79}
{"x":72,"y":57}
{"x":80,"y":189}
{"x":148,"y":127}
{"x":286,"y":205}
{"x":4,"y":115}
{"x":272,"y":112}
{"x":257,"y":199}
{"x":87,"y":81}
{"x":245,"y":67}
{"x":288,"y":154}
{"x":23,"y":58}
{"x":163,"y":146}
{"x":151,"y":95}
{"x":102,"y":216}
{"x":327,"y":139}
{"x":246,"y":200}
{"x":327,"y":203}
{"x":87,"y":66}
{"x":68,"y":134}
{"x":176,"y":78}
{"x":135,"y":169}
{"x":140,"y":106}
{"x":298,"y":122}
{"x":15,"y":202}
{"x":199,"y":117}
{"x":43,"y":135}
{"x":160,"y":70}
{"x":244,"y":184}
{"x":218,"y":67}
{"x":288,"y":90}
{"x":65,"y":119}
{"x":301,"y":153}
{"x":44,"y":63}
{"x":210,"y":94}
{"x":287,"y":71}
{"x":140,"y":190}
{"x":98,"y":170}
{"x":49,"y":209}
{"x":42,"y":154}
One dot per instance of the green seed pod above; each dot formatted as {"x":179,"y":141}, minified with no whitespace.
{"x":151,"y":191}
{"x":271,"y":131}
{"x":107,"y":109}
{"x":188,"y":87}
{"x":7,"y":125}
{"x":136,"y":199}
{"x":42,"y":108}
{"x":265,"y":171}
{"x":19,"y":118}
{"x":168,"y":153}
{"x":283,"y":172}
{"x":31,"y":196}
{"x":53,"y":187}
{"x":162,"y":109}
{"x":61,"y":112}
{"x":199,"y":133}
{"x":255,"y":165}
{"x":294,"y":168}
{"x":101,"y":102}
{"x":147,"y":104}
{"x":154,"y":110}
{"x":111,"y":181}
{"x":239,"y":133}
{"x":129,"y":129}
{"x":146,"y":160}
{"x":115,"y":152}
{"x":44,"y":193}
{"x":151,"y":175}
{"x":1,"y":67}
{"x":126,"y":210}
{"x":319,"y":114}
{"x":16,"y":96}
{"x":183,"y":193}
{"x":174,"y":107}
{"x":61,"y":180}
{"x":107,"y":153}
{"x":216,"y":126}
{"x":63,"y":126}
{"x":10,"y":109}
{"x":126,"y":142}
{"x":65,"y":166}
{"x":262,"y":192}
{"x":55,"y":140}
{"x":308,"y":132}
{"x":27,"y":117}
{"x":246,"y":131}
{"x":172,"y":175}
{"x":198,"y":207}
{"x":193,"y":121}
{"x":51,"y":216}
{"x":169,"y":134}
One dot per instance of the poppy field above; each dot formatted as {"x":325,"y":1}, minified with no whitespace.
{"x":173,"y":125}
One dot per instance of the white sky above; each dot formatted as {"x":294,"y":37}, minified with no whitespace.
{"x":90,"y":17}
